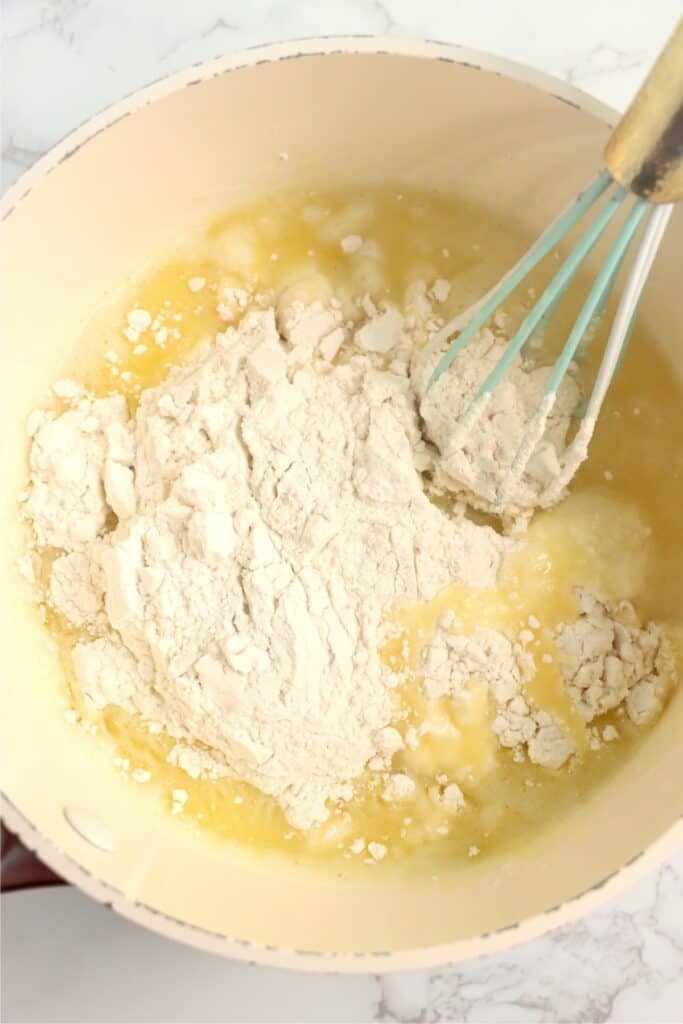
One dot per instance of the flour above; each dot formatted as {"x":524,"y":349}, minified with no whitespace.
{"x":233,"y":299}
{"x":453,"y":797}
{"x":400,"y":787}
{"x":139,"y":320}
{"x":440,"y":290}
{"x":236,"y":548}
{"x":610,"y":661}
{"x":379,"y":333}
{"x":70,"y":456}
{"x":615,"y":661}
{"x":478,"y":442}
{"x":75,"y":589}
{"x":351,"y":243}
{"x":453,"y":661}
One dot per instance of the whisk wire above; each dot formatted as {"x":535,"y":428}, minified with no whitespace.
{"x":628,"y":306}
{"x":596,"y":319}
{"x":541,"y":247}
{"x":643,"y":156}
{"x":554,"y":291}
{"x":603,"y":281}
{"x":596,"y":293}
{"x":621,"y":328}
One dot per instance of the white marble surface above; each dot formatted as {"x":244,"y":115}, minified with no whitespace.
{"x":67,"y":959}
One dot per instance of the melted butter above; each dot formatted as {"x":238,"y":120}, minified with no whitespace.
{"x":620,"y":535}
{"x":591,"y":541}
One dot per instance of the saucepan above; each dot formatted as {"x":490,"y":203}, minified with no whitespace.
{"x":111,"y":199}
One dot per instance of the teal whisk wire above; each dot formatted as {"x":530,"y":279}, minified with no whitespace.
{"x":600,"y":285}
{"x":585,"y":342}
{"x":642,"y":157}
{"x":581,"y":408}
{"x":555,"y":290}
{"x":596,"y":295}
{"x":543,"y":245}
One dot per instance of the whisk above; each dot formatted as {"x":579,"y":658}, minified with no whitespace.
{"x":644,"y":161}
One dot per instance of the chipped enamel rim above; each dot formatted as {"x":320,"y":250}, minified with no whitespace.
{"x":173,"y":928}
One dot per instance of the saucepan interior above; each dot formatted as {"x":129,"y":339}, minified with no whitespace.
{"x":110,"y":201}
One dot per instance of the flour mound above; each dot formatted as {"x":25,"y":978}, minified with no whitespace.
{"x":235,"y":547}
{"x":475,"y":460}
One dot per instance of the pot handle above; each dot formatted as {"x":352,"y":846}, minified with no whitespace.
{"x":645,"y":150}
{"x":21,"y":869}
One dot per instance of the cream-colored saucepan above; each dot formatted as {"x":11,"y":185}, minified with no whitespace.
{"x":113,"y":197}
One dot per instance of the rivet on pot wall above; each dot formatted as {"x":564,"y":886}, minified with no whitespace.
{"x":91,"y":828}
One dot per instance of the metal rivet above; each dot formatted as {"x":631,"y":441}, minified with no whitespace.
{"x":90,"y":827}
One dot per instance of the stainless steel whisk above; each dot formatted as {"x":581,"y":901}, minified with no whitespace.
{"x":644,"y":159}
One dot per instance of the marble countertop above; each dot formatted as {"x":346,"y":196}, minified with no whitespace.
{"x":66,"y":958}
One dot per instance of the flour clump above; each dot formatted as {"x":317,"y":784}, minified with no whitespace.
{"x":478,"y":442}
{"x":614,"y":661}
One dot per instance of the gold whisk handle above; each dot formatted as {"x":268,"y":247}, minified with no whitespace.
{"x":645,"y":150}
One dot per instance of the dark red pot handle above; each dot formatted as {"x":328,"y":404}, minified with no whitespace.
{"x":21,"y":869}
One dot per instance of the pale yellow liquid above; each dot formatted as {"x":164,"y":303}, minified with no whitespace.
{"x":620,"y":536}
